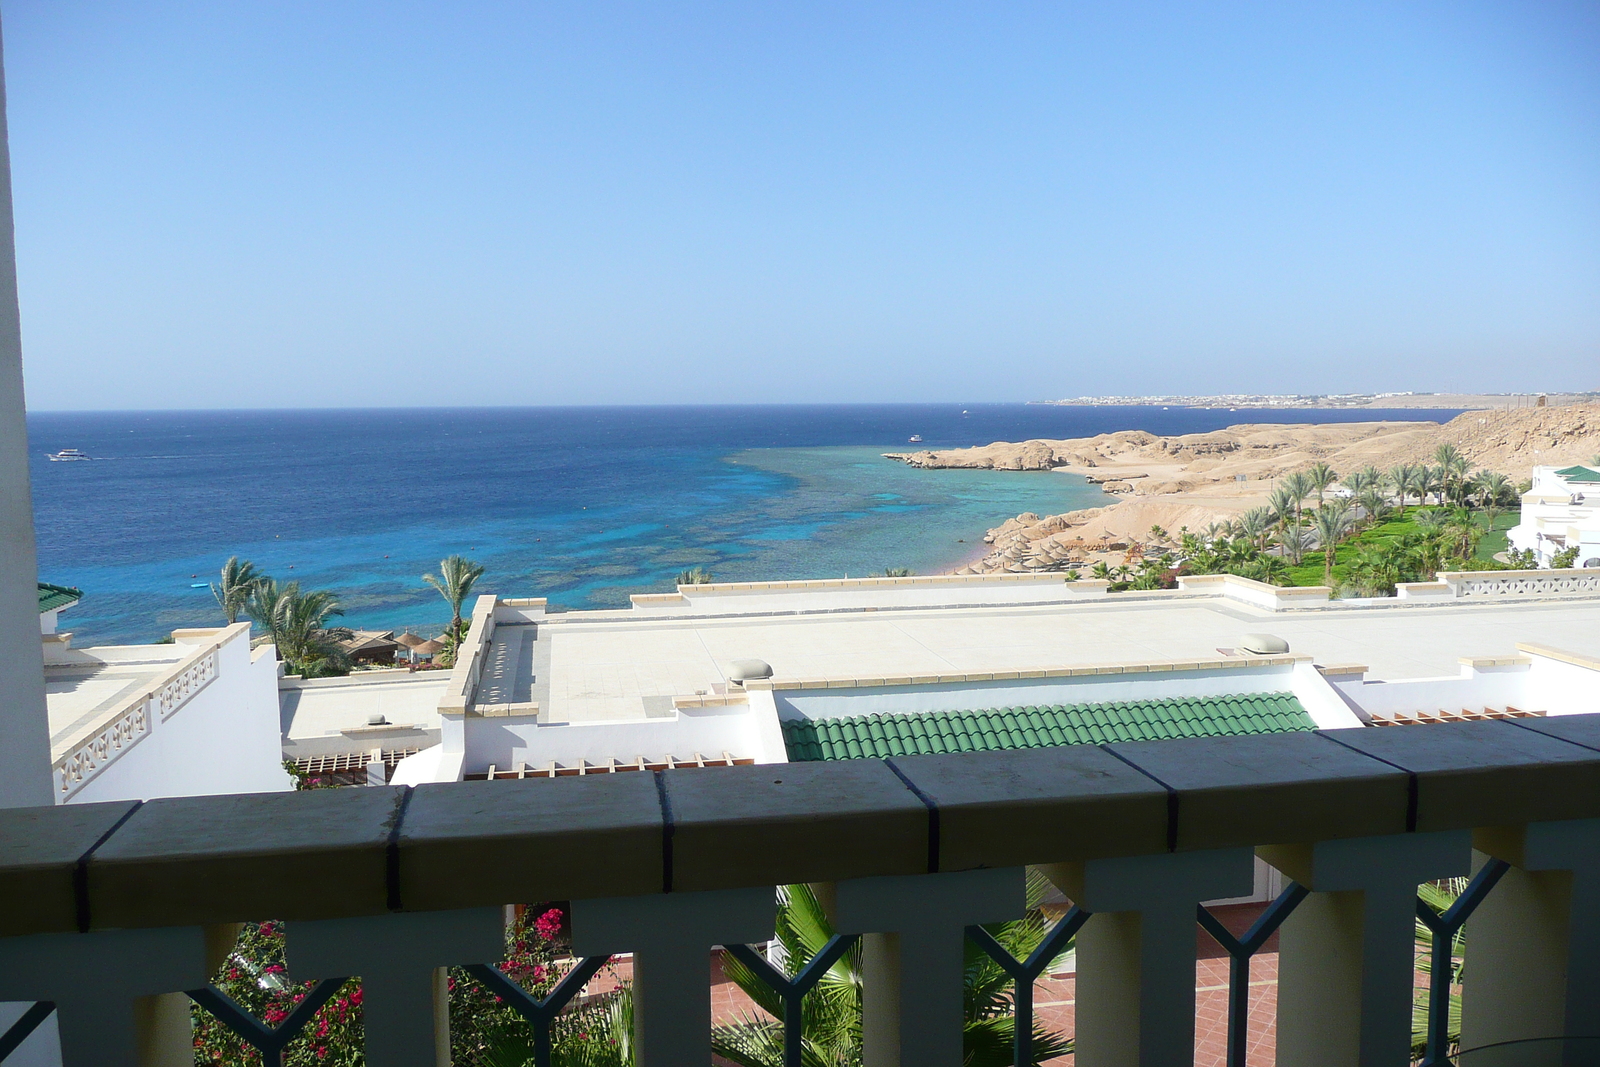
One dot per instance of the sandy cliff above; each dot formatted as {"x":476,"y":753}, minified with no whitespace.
{"x":1196,"y":479}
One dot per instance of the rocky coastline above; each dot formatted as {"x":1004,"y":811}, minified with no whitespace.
{"x":1193,"y":480}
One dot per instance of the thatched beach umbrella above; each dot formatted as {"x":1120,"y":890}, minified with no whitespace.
{"x":410,"y":640}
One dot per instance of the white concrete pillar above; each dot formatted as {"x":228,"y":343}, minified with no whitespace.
{"x":1346,"y":954}
{"x":400,"y":959}
{"x":106,"y":986}
{"x":913,"y":928}
{"x":1533,"y":942}
{"x":1136,"y":954}
{"x":24,"y":725}
{"x":671,"y":936}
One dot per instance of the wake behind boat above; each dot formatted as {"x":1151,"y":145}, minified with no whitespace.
{"x":66,"y":455}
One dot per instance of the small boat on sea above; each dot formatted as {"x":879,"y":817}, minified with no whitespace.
{"x":916,"y":438}
{"x":65,"y":455}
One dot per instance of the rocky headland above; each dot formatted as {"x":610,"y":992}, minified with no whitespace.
{"x":1194,"y":480}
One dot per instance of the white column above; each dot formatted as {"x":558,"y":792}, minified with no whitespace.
{"x":671,"y":936}
{"x":1136,"y":954}
{"x":1346,"y":955}
{"x":105,"y":986}
{"x":400,"y":960}
{"x":913,"y":930}
{"x":24,"y":727}
{"x":1533,"y":942}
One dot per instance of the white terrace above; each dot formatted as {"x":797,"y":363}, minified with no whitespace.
{"x":609,"y":665}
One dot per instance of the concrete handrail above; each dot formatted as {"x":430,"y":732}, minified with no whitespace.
{"x":354,"y":852}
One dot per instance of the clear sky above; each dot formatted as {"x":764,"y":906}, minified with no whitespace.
{"x":284,"y":203}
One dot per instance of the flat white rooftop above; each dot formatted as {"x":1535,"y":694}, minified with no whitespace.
{"x":613,"y":665}
{"x":326,"y":716}
{"x":80,"y":693}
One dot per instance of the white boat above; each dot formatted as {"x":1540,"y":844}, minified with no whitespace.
{"x":66,"y":455}
{"x":916,"y":438}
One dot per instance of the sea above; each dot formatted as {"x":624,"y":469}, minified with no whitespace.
{"x":583,"y":505}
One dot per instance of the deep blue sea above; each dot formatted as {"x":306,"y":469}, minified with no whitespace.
{"x":583,"y":505}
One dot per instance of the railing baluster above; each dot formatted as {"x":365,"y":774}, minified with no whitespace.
{"x":1025,"y":973}
{"x":539,"y":1013}
{"x":270,"y":1041}
{"x":792,"y":991}
{"x":1239,"y":952}
{"x":1444,"y":929}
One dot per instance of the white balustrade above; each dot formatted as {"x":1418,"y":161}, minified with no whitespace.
{"x":401,"y":960}
{"x":913,"y":931}
{"x":1136,"y":955}
{"x":671,"y":937}
{"x":106,"y":986}
{"x":1501,"y":584}
{"x":1346,"y":955}
{"x":1346,"y":952}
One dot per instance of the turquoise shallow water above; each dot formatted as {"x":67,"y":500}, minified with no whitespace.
{"x":583,"y":505}
{"x":850,"y":511}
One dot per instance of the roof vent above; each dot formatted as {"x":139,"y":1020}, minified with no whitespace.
{"x":741,"y":671}
{"x":1263,"y":644}
{"x":377,"y":720}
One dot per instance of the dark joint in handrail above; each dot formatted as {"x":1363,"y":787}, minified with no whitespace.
{"x":80,"y":870}
{"x":933,"y":815}
{"x":1412,"y":789}
{"x":668,"y":828}
{"x":391,"y":852}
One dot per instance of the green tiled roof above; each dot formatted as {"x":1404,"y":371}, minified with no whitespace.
{"x":1042,"y":727}
{"x":57,"y":596}
{"x":1579,"y":474}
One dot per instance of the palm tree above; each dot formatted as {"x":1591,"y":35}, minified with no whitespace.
{"x":1330,"y":523}
{"x":1373,"y":502}
{"x":1402,"y":477}
{"x":1453,"y":464}
{"x":831,"y":1012}
{"x":264,"y":605}
{"x":1367,"y":477}
{"x":696,"y":575}
{"x":1431,"y":480}
{"x":1254,"y":524}
{"x":305,"y":639}
{"x":233,"y":589}
{"x":1293,"y":489}
{"x":1493,"y":490}
{"x":456,"y":577}
{"x":1321,"y":476}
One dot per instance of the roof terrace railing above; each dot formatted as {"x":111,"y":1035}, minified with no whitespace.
{"x":108,"y":905}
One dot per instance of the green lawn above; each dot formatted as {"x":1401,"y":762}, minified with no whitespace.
{"x":1310,"y":570}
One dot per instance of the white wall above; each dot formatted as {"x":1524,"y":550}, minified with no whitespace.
{"x":24,"y":722}
{"x":854,"y":594}
{"x":1085,"y":689}
{"x":1472,"y":690}
{"x":224,"y":739}
{"x":1559,"y":687}
{"x":507,"y":741}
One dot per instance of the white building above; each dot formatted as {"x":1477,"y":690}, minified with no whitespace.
{"x":662,"y":685}
{"x":1562,"y":510}
{"x":195,"y":717}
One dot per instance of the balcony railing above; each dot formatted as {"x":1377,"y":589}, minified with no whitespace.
{"x":111,"y":906}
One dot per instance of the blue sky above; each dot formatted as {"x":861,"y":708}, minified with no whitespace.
{"x":334,"y":204}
